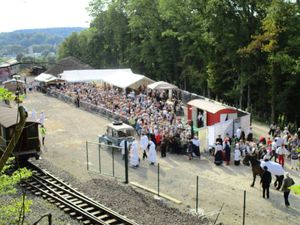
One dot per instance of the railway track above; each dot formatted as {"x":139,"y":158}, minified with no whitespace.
{"x":72,"y":201}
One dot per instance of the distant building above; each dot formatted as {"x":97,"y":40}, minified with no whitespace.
{"x":8,"y":69}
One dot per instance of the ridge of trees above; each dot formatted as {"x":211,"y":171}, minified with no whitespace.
{"x":42,"y":41}
{"x":245,"y":52}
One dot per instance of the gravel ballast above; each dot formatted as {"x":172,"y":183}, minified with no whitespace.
{"x":127,"y":200}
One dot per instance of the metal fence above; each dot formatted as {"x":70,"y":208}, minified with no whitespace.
{"x":105,"y":159}
{"x":169,"y":179}
{"x":88,"y":106}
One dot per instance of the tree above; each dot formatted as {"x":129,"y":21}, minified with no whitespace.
{"x":12,"y":211}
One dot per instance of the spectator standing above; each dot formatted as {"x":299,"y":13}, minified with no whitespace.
{"x":237,"y":155}
{"x":287,"y":183}
{"x":227,"y":151}
{"x":190,"y":149}
{"x":238,"y":133}
{"x":196,"y":146}
{"x":43,"y":133}
{"x":152,"y":153}
{"x":144,"y":143}
{"x":42,"y":118}
{"x":272,"y":129}
{"x":33,"y":115}
{"x":163,"y":147}
{"x":250,"y":135}
{"x":200,"y":120}
{"x":122,"y":145}
{"x":274,"y":148}
{"x":294,"y":159}
{"x":266,"y":180}
{"x":280,"y":152}
{"x":219,"y":139}
{"x":134,"y":156}
{"x":218,"y":154}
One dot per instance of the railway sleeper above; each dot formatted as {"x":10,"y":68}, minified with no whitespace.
{"x":86,"y":222}
{"x":75,"y":201}
{"x":96,"y":213}
{"x":79,"y":217}
{"x":57,"y":203}
{"x":67,"y":196}
{"x":89,"y":209}
{"x":62,"y":206}
{"x":111,"y":221}
{"x":67,"y":209}
{"x":102,"y":216}
{"x":82,"y":205}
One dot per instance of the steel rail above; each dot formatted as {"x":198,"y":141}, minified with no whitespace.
{"x":71,"y":200}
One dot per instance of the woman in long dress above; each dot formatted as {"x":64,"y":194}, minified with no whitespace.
{"x":218,"y":154}
{"x":152,"y":153}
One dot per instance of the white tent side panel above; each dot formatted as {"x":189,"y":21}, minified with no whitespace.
{"x":203,"y":138}
{"x":220,"y":129}
{"x":121,"y":78}
{"x":211,"y":135}
{"x":245,"y":123}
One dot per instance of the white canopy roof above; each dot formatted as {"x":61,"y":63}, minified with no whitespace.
{"x":208,"y":105}
{"x":13,"y":81}
{"x":162,"y":85}
{"x":47,"y":78}
{"x":44,"y":77}
{"x":122,"y":78}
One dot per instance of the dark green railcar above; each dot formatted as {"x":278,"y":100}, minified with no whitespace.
{"x":28,"y":144}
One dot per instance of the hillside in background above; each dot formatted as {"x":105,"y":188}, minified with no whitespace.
{"x":34,"y":41}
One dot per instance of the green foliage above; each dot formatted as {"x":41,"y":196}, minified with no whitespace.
{"x":234,"y":50}
{"x":41,"y":40}
{"x":9,"y":212}
{"x":6,"y":95}
{"x":295,"y":189}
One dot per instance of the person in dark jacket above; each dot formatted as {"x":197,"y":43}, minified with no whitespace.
{"x":227,"y":151}
{"x":288,"y":182}
{"x":266,"y":180}
{"x":190,"y":149}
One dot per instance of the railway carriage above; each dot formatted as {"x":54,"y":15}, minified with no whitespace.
{"x":28,"y":144}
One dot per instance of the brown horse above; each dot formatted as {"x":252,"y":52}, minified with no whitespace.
{"x":257,"y":170}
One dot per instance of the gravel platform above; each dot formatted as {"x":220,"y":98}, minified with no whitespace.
{"x":126,"y":200}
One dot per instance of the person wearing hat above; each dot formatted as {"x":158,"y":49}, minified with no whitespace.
{"x":287,"y":183}
{"x":265,"y":181}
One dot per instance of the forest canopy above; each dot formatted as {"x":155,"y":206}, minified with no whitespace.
{"x":243,"y":52}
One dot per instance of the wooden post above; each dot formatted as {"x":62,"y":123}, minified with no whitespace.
{"x":126,"y":163}
{"x":244,"y":208}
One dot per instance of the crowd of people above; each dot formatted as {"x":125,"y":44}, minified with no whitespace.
{"x":158,"y":124}
{"x":150,"y":112}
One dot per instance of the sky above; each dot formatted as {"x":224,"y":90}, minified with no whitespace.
{"x":28,"y":14}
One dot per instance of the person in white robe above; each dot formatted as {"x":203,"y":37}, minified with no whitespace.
{"x":122,"y":145}
{"x":144,"y":143}
{"x":134,"y":155}
{"x":42,"y":118}
{"x":152,"y":153}
{"x":33,"y":114}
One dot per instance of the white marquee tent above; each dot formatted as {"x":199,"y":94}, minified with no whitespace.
{"x":162,"y":85}
{"x":122,"y":78}
{"x":48,"y":78}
